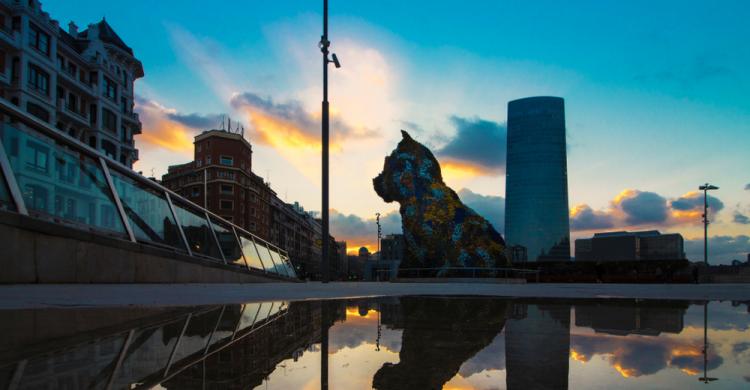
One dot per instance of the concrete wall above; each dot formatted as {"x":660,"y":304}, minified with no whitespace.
{"x":36,"y":251}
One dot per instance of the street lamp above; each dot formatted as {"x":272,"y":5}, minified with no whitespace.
{"x":705,"y":188}
{"x":324,"y":44}
{"x":377,"y":261}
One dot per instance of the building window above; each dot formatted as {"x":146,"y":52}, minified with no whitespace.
{"x":196,"y":192}
{"x":198,"y":148}
{"x":208,"y":160}
{"x":199,"y":163}
{"x":38,"y":111}
{"x":39,"y":40}
{"x":109,"y":120}
{"x":38,"y":79}
{"x":227,"y":189}
{"x":226,"y":160}
{"x":38,"y":157}
{"x":110,"y":89}
{"x":226,"y":205}
{"x":36,"y":197}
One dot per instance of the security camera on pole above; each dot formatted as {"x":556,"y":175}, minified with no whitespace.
{"x":324,"y":44}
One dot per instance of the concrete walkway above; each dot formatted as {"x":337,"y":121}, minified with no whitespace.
{"x":113,"y":295}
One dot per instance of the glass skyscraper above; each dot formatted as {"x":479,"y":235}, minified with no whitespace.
{"x":536,"y":181}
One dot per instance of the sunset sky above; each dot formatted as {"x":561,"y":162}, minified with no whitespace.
{"x":655,"y":93}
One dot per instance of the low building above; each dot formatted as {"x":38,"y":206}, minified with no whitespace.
{"x":630,"y":246}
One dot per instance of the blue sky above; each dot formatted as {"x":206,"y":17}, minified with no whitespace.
{"x":655,"y":93}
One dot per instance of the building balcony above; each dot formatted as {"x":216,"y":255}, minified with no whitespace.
{"x":78,"y":115}
{"x":131,"y":116}
{"x":73,"y":81}
{"x":10,"y":38}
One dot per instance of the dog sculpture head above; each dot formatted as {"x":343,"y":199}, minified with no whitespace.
{"x":409,"y":170}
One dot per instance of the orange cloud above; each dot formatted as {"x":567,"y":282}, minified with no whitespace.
{"x":280,"y":133}
{"x":457,"y":170}
{"x":162,"y":132}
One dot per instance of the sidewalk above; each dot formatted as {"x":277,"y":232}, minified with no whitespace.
{"x":113,"y":295}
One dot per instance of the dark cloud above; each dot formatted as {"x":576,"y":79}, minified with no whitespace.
{"x":353,"y":228}
{"x":198,"y":121}
{"x":721,"y":249}
{"x":492,"y":208}
{"x":584,"y":218}
{"x":747,"y":186}
{"x":291,"y":112}
{"x":694,"y":201}
{"x":638,"y":356}
{"x":356,"y":331}
{"x":644,"y":208}
{"x":477,"y":141}
{"x":430,"y":139}
{"x":741,"y":218}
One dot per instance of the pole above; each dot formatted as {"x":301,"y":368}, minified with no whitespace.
{"x":705,"y":225}
{"x":324,"y":345}
{"x":324,"y":43}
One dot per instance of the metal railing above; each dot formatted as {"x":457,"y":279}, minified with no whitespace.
{"x":49,"y":175}
{"x":457,"y":272}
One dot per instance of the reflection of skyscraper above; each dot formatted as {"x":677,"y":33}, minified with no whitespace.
{"x":536,"y":183}
{"x":537,"y":347}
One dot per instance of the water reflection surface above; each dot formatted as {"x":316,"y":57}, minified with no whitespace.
{"x":383,"y":343}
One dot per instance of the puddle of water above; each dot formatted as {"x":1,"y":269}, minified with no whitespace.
{"x":383,"y":343}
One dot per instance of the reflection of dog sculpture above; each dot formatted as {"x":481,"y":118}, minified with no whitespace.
{"x":439,"y":230}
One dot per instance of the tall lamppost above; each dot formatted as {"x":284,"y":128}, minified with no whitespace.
{"x":705,"y":188}
{"x":324,"y":44}
{"x":377,"y":263}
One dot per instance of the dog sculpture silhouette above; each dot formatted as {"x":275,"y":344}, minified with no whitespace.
{"x":439,"y":230}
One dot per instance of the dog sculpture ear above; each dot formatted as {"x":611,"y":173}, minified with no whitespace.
{"x":406,"y":135}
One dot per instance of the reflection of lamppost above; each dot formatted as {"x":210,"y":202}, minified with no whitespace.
{"x":705,"y":188}
{"x":377,"y":341}
{"x":705,"y":378}
{"x":324,"y":43}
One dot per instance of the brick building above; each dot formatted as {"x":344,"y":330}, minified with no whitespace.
{"x":81,"y":82}
{"x":220,"y":178}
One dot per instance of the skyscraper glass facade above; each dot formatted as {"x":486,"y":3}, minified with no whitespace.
{"x":536,"y":182}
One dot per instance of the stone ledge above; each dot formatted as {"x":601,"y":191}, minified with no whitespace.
{"x":38,"y":251}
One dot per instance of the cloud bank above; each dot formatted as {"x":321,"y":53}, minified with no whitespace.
{"x":721,"y":249}
{"x":477,"y":142}
{"x":635,"y":209}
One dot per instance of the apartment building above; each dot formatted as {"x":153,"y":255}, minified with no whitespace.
{"x":80,"y":82}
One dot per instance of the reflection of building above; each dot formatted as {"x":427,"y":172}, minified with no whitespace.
{"x":536,"y":203}
{"x":79,"y":81}
{"x":644,"y":318}
{"x":629,"y":246}
{"x":537,"y":346}
{"x":247,"y":362}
